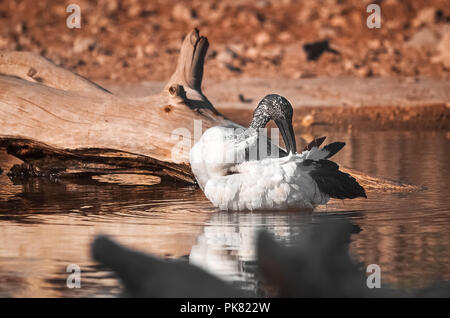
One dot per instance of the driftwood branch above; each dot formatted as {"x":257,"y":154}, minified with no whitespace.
{"x":60,"y":123}
{"x":35,"y":68}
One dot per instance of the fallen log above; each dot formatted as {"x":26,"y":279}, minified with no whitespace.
{"x":61,"y":124}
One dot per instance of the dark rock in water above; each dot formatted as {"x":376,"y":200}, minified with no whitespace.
{"x":318,"y":265}
{"x":149,"y":276}
{"x":315,"y":49}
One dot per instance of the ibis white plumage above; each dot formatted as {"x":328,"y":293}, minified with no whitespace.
{"x":235,"y":175}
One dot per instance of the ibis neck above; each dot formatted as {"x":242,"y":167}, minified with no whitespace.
{"x":259,"y":122}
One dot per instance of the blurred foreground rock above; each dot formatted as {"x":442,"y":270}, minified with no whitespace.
{"x":148,"y":276}
{"x":318,"y":265}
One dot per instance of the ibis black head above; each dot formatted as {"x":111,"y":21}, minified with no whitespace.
{"x":277,"y":108}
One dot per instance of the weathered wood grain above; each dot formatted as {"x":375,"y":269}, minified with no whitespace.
{"x":56,"y":120}
{"x":61,"y":124}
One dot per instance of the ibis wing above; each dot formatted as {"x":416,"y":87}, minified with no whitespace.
{"x":332,"y":181}
{"x":265,"y":184}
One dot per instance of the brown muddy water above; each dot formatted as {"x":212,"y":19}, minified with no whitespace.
{"x":47,"y":225}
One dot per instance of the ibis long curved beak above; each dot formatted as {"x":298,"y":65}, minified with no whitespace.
{"x":287,"y":132}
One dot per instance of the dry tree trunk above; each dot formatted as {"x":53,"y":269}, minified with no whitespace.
{"x":60,"y":123}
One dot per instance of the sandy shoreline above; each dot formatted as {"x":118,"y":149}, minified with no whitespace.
{"x":324,"y":102}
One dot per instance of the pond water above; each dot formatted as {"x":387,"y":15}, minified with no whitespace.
{"x":45,"y":226}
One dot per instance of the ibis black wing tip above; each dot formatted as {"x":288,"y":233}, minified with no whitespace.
{"x":333,"y":148}
{"x":359,"y":191}
{"x":363,"y":194}
{"x":333,"y":182}
{"x":315,"y":143}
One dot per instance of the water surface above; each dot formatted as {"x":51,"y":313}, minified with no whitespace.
{"x":45,"y":225}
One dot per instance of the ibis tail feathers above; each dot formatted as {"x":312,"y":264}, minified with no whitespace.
{"x":333,"y":182}
{"x":333,"y":148}
{"x":315,"y":143}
